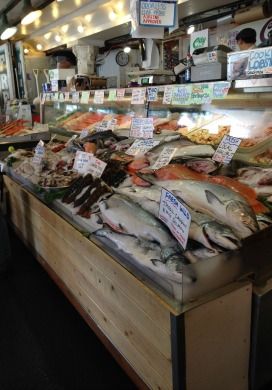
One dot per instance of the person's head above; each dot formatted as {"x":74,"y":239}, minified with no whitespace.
{"x":246,"y":38}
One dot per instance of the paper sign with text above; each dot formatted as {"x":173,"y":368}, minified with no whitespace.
{"x":85,"y":97}
{"x":167,"y":95}
{"x":157,"y":13}
{"x":96,"y":167}
{"x":40,"y":126}
{"x":39,"y":153}
{"x":164,"y":158}
{"x":181,"y":95}
{"x":99,"y":97}
{"x":138,"y":96}
{"x":226,"y":149}
{"x":175,"y":216}
{"x":141,"y":128}
{"x":112,"y":95}
{"x":106,"y":125}
{"x":141,"y":146}
{"x":67,"y":96}
{"x":152,"y":94}
{"x":84,"y":133}
{"x":120,"y":93}
{"x":75,"y":97}
{"x":82,"y":162}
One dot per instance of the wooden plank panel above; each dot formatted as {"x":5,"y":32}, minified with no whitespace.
{"x":155,"y":307}
{"x":148,"y":327}
{"x":49,"y":251}
{"x":69,"y":274}
{"x":217,"y":342}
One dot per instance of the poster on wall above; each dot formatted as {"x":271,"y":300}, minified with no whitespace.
{"x":199,"y":40}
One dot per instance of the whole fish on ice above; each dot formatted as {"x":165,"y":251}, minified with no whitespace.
{"x":219,"y":202}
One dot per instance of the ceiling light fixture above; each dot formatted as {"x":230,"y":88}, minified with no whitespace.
{"x":26,"y":50}
{"x":127,"y":49}
{"x":190,"y":29}
{"x":80,"y":29}
{"x":39,"y":47}
{"x":112,"y":15}
{"x":57,"y":38}
{"x":65,"y":28}
{"x":6,"y":30}
{"x":30,"y":14}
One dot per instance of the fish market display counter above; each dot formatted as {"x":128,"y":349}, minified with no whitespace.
{"x":161,"y":343}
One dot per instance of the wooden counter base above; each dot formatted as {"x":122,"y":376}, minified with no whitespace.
{"x":204,"y":347}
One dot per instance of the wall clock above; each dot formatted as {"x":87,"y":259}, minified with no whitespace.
{"x":122,"y":58}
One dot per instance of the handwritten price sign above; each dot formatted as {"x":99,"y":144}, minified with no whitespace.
{"x":226,"y":149}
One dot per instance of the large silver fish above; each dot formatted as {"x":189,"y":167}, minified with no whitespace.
{"x":124,"y":216}
{"x":221,"y":203}
{"x":149,"y":256}
{"x":203,"y":229}
{"x":183,"y":148}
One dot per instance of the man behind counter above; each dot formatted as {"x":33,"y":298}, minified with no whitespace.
{"x":246,"y":39}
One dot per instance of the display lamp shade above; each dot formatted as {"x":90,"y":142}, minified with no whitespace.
{"x":6,"y":31}
{"x":30,"y":14}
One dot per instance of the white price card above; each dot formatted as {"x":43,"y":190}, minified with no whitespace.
{"x":138,"y":96}
{"x":175,"y":216}
{"x":120,"y":94}
{"x":99,"y":97}
{"x":39,"y":153}
{"x":84,"y":133}
{"x":167,"y":95}
{"x":152,"y":94}
{"x":112,"y":95}
{"x":82,"y":162}
{"x":164,"y":158}
{"x":85,"y":95}
{"x":141,"y":128}
{"x":40,"y":126}
{"x":141,"y":146}
{"x":61,"y":97}
{"x":75,"y":97}
{"x":106,"y":125}
{"x":67,"y":96}
{"x":96,"y":167}
{"x":226,"y":149}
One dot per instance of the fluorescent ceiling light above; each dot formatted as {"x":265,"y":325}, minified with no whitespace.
{"x":29,"y":13}
{"x":8,"y":33}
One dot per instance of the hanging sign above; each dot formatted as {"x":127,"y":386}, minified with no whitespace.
{"x":85,"y":97}
{"x":201,"y":93}
{"x":138,"y":96}
{"x":141,"y":128}
{"x":175,"y":216}
{"x":181,"y":95}
{"x":152,"y":94}
{"x":157,"y":13}
{"x":167,"y":95}
{"x":120,"y":93}
{"x":99,"y":97}
{"x":220,"y":90}
{"x":199,"y":40}
{"x":141,"y":146}
{"x":226,"y":149}
{"x":112,"y":95}
{"x":164,"y":158}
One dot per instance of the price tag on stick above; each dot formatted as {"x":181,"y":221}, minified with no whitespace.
{"x":226,"y":149}
{"x":164,"y":158}
{"x":175,"y":216}
{"x":141,"y":146}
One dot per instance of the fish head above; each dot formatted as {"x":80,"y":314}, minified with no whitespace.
{"x":221,"y":235}
{"x":242,"y":218}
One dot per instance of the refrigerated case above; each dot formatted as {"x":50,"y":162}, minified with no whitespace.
{"x":167,"y":332}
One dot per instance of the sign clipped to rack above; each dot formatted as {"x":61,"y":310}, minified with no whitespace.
{"x":85,"y":95}
{"x":98,"y":97}
{"x":142,"y":128}
{"x":164,"y":158}
{"x":157,"y":13}
{"x":138,"y":96}
{"x":67,"y":96}
{"x":120,"y":94}
{"x":141,"y":146}
{"x":152,"y":94}
{"x":106,"y":125}
{"x":175,"y":216}
{"x":112,"y":95}
{"x":226,"y":149}
{"x":167,"y":95}
{"x":75,"y":97}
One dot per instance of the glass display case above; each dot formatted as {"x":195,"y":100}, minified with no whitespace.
{"x":229,"y":211}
